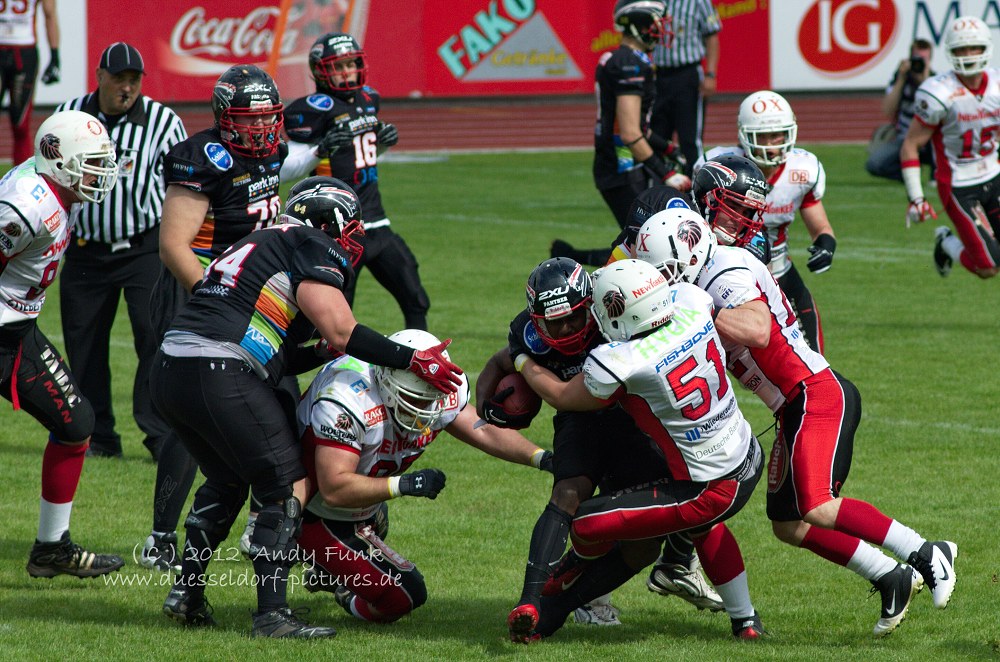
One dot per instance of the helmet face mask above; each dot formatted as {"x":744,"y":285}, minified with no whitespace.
{"x":678,"y":242}
{"x":766,"y":128}
{"x":247,"y":111}
{"x":559,"y":294}
{"x":334,"y":60}
{"x":413,"y":404}
{"x":645,"y":21}
{"x":973,"y":38}
{"x":331,"y":205}
{"x":631,"y":298}
{"x":74,"y":150}
{"x":731,"y":194}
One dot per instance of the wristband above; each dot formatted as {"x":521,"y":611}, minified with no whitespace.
{"x":911,"y":178}
{"x":519,"y":361}
{"x":655,"y":165}
{"x":536,"y":457}
{"x":394,"y":487}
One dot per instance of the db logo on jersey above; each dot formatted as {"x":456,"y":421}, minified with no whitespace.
{"x":841,"y":37}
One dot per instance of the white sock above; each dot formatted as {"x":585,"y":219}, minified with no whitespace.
{"x":53,"y":520}
{"x":870,"y":562}
{"x":902,"y":540}
{"x":953,"y":246}
{"x":735,"y":596}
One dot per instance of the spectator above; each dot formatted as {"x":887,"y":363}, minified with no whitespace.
{"x":116,"y":247}
{"x":682,"y":84}
{"x":883,"y":155}
{"x":19,"y":64}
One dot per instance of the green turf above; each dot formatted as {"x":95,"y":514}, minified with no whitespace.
{"x":919,"y":347}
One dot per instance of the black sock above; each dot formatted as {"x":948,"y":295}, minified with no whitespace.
{"x":678,"y":548}
{"x":175,"y":472}
{"x":548,"y":541}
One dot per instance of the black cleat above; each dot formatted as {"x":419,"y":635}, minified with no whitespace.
{"x":188,"y":608}
{"x":942,"y":261}
{"x":560,"y":248}
{"x":282,"y":623}
{"x":65,"y":557}
{"x":159,"y":552}
{"x":748,"y":629}
{"x":897,"y":587}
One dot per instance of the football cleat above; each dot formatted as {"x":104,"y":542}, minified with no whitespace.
{"x":159,"y":552}
{"x":521,"y":622}
{"x":942,"y":261}
{"x":935,"y":561}
{"x":566,"y":572}
{"x":748,"y":629}
{"x":188,"y":608}
{"x":897,"y":587}
{"x":686,"y":583}
{"x":560,"y":248}
{"x":65,"y":557}
{"x":284,"y":624}
{"x":599,"y":611}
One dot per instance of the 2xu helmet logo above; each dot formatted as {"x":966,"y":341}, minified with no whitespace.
{"x":49,"y":147}
{"x":614,"y":303}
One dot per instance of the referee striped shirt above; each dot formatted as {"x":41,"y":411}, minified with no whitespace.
{"x":143,"y":137}
{"x":692,"y":22}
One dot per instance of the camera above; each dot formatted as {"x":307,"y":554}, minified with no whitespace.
{"x":917,"y":64}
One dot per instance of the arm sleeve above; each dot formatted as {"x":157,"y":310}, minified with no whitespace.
{"x":300,"y":162}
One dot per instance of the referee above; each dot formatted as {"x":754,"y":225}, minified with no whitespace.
{"x":115,"y":247}
{"x":682,"y":85}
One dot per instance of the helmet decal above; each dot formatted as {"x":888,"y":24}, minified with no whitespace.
{"x":614,"y":302}
{"x":49,"y":146}
{"x":689,"y":232}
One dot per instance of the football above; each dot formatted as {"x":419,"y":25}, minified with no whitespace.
{"x":523,"y":401}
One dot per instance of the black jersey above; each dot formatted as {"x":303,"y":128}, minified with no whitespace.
{"x":624,"y":71}
{"x":248,"y":296}
{"x":647,"y":203}
{"x":308,"y":119}
{"x":242,"y":191}
{"x":523,"y":338}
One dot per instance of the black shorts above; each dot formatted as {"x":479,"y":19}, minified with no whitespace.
{"x":231,"y":422}
{"x":18,"y":70}
{"x":605,"y":446}
{"x":34,"y":376}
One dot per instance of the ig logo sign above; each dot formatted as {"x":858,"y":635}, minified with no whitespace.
{"x":840,"y":37}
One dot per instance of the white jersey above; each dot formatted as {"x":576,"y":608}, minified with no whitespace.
{"x":676,"y":389}
{"x":733,"y":277}
{"x":965,"y":143}
{"x":343,"y":409}
{"x":798,"y":183}
{"x":17,"y":23}
{"x":34,"y":233}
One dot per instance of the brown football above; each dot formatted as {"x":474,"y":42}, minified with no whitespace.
{"x":523,"y":401}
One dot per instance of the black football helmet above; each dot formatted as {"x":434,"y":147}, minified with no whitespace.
{"x":326,"y":51}
{"x":330,"y":205}
{"x":645,"y":20}
{"x":247,"y":111}
{"x":730,"y":192}
{"x":559,"y":294}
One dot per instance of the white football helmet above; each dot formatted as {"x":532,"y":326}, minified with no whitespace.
{"x":678,"y":242}
{"x":766,"y":112}
{"x":968,"y":31}
{"x":630,"y":298}
{"x":71,"y":145}
{"x":413,"y":404}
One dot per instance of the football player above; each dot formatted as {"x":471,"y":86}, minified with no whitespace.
{"x":958,"y":110}
{"x":214,"y":381}
{"x":341,"y":121}
{"x":600,"y":448}
{"x":364,"y":427}
{"x":74,"y":160}
{"x":664,"y":366}
{"x":817,"y":412}
{"x":767,"y":130}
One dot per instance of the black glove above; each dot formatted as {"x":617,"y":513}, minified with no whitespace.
{"x":546,"y":463}
{"x":387,"y":135}
{"x":336,"y":138}
{"x":494,"y":414}
{"x":821,"y":253}
{"x":425,"y":483}
{"x":52,"y":73}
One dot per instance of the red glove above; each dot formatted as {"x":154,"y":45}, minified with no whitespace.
{"x":433,"y":367}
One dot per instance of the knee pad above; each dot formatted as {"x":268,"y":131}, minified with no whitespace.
{"x":276,"y":530}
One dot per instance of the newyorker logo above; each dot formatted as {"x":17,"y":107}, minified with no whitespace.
{"x":843,"y":37}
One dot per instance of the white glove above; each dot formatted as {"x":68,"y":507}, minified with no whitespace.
{"x":919,"y":211}
{"x":679,"y":181}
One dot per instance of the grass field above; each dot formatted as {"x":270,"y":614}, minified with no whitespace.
{"x":919,"y":347}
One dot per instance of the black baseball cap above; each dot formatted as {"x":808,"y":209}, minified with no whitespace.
{"x":119,"y":57}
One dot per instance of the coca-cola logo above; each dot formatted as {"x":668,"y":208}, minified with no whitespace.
{"x":841,"y":37}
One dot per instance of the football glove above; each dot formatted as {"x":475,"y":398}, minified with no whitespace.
{"x":494,"y":413}
{"x":387,"y":135}
{"x":423,"y":483}
{"x":336,"y":138}
{"x":672,"y":152}
{"x":542,"y":460}
{"x":431,"y":366}
{"x":52,"y":74}
{"x":919,"y":211}
{"x":678,"y":180}
{"x":821,"y":253}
